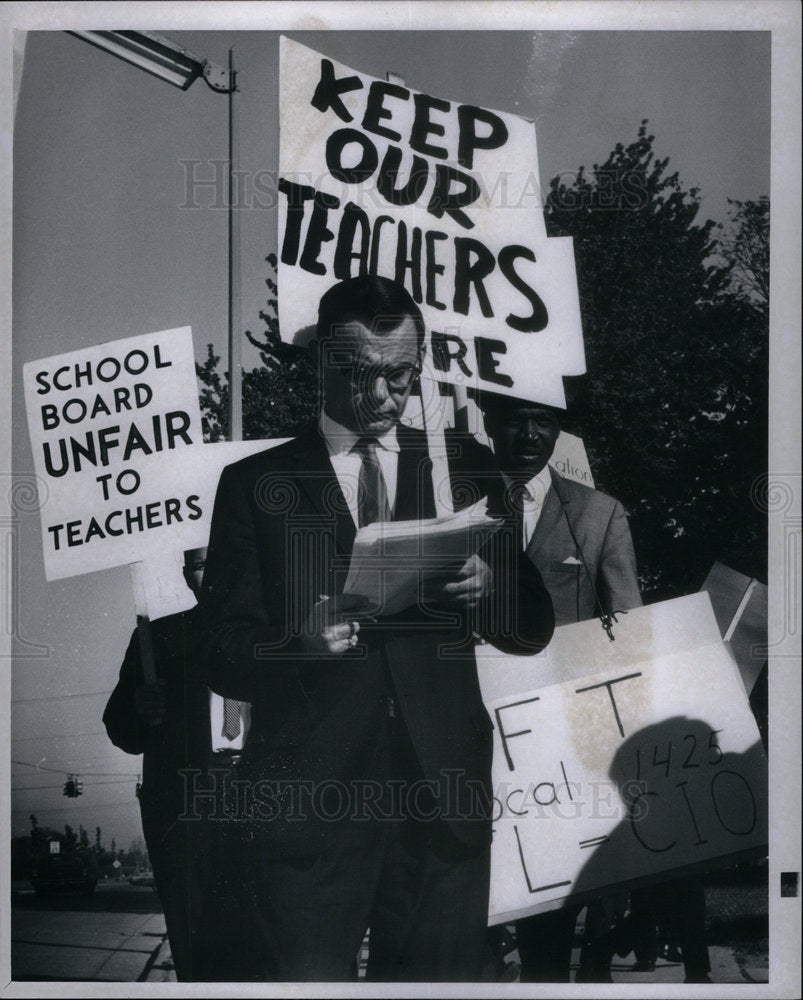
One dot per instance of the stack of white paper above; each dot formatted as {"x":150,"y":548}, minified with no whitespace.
{"x":390,"y":559}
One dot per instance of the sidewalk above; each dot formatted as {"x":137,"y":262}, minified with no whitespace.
{"x":724,"y":969}
{"x":159,"y":968}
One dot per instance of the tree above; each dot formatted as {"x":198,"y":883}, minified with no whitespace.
{"x":744,"y":241}
{"x":672,"y":410}
{"x":279,"y":396}
{"x":137,"y":855}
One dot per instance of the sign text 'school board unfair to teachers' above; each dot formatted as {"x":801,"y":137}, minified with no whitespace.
{"x":107,"y":424}
{"x":620,"y":763}
{"x":123,"y":473}
{"x":443,"y":197}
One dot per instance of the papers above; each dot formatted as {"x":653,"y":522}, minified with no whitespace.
{"x":390,"y":559}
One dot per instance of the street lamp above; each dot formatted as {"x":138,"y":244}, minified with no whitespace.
{"x":173,"y":63}
{"x":160,"y":56}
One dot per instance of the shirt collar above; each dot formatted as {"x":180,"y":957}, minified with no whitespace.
{"x":536,"y":487}
{"x":340,"y":440}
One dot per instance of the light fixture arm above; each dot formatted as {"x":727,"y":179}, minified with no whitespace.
{"x":219,"y":78}
{"x":161,"y":57}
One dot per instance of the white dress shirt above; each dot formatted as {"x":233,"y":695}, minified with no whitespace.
{"x":347,"y":463}
{"x":532,"y":501}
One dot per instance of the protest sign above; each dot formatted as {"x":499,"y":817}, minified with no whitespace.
{"x":618,"y":762}
{"x":570,"y":459}
{"x":107,"y":426}
{"x":740,"y":607}
{"x":195,"y":470}
{"x":443,"y":197}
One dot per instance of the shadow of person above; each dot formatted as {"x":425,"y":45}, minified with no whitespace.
{"x":690,"y":807}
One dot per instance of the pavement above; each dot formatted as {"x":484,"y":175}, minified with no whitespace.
{"x":85,"y":946}
{"x":133,"y":947}
{"x":725,"y":968}
{"x":160,"y":968}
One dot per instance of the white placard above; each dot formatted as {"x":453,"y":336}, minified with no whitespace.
{"x":570,"y":459}
{"x":109,"y":425}
{"x":617,"y":761}
{"x":440,"y":196}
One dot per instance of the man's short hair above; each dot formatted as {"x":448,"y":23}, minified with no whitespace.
{"x":378,"y":303}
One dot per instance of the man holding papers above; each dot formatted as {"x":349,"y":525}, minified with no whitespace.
{"x":367,"y":773}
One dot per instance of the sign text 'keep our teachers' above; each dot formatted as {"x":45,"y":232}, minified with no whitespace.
{"x":442,"y":197}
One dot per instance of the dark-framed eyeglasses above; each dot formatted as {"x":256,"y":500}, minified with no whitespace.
{"x":398,"y":378}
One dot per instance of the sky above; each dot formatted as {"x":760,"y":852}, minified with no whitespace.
{"x":112,"y":240}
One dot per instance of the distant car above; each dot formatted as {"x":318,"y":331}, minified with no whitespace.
{"x":65,"y":873}
{"x":142,"y":878}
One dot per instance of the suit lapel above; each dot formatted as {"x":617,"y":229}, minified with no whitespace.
{"x":550,"y":519}
{"x":414,"y":494}
{"x":314,"y":473}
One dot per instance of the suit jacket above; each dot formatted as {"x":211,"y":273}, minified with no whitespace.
{"x":281,"y":536}
{"x":183,"y":739}
{"x":579,"y":525}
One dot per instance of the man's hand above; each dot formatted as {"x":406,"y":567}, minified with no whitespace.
{"x":328,"y":631}
{"x":150,"y":704}
{"x":464,"y":590}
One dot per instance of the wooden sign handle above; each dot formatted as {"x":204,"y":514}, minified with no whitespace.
{"x":143,"y":624}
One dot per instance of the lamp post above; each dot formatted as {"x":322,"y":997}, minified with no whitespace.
{"x":180,"y":67}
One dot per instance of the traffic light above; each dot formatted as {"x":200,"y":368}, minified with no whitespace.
{"x":73,"y":787}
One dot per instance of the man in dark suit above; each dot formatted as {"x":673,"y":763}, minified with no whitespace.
{"x":368,"y":763}
{"x":579,"y":540}
{"x":207,"y":911}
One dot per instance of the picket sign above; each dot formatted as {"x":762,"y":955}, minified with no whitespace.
{"x":123,"y":474}
{"x":620,"y":763}
{"x":440,"y":196}
{"x":740,"y":607}
{"x":107,"y":424}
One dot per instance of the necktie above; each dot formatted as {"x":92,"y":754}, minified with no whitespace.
{"x":372,"y":493}
{"x":231,"y":718}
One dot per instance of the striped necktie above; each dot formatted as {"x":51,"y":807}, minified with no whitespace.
{"x":231,"y":718}
{"x":372,"y":491}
